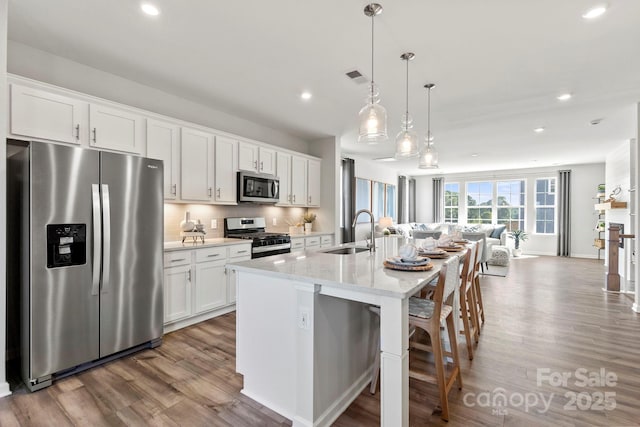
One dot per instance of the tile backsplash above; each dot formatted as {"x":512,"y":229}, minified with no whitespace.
{"x":175,"y":212}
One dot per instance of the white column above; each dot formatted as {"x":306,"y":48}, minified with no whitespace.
{"x":394,"y":362}
{"x":4,"y":10}
{"x":635,"y":182}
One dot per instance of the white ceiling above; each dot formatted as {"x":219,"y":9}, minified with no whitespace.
{"x":498,"y":66}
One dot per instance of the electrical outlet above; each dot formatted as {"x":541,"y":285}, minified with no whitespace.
{"x":304,"y":319}
{"x":274,"y":221}
{"x":214,"y":224}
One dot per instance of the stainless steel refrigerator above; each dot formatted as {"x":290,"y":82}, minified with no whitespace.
{"x":85,"y":247}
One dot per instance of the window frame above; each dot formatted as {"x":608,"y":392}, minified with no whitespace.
{"x":478,"y":207}
{"x":521,"y":208}
{"x":457,"y":206}
{"x":554,"y":206}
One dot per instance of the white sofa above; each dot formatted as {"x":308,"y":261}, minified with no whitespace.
{"x":496,"y":234}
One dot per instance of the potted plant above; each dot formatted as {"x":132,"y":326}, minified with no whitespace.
{"x":308,"y":219}
{"x":517,"y":236}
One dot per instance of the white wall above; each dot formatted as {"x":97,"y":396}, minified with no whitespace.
{"x":4,"y":386}
{"x":328,"y":215}
{"x":39,"y":65}
{"x":375,"y":171}
{"x":584,"y":182}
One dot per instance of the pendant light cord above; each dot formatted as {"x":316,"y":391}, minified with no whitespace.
{"x":407,"y":97}
{"x":372,"y":53}
{"x":429,"y":118}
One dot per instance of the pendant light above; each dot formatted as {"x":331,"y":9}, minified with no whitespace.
{"x":407,"y":140}
{"x":428,"y":153}
{"x":373,"y":116}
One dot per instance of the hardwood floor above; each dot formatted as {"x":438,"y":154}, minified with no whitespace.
{"x":548,"y":313}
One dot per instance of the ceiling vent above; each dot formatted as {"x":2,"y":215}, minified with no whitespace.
{"x":357,"y":77}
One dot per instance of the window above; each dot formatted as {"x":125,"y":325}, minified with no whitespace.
{"x":546,"y":205}
{"x":377,"y":205}
{"x":511,"y":204}
{"x":451,"y":202}
{"x":479,"y":202}
{"x":391,"y":201}
{"x":363,"y":195}
{"x":378,"y":197}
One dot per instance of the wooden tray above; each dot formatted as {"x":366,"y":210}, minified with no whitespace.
{"x":434,"y":256}
{"x":452,"y":248}
{"x":392,"y":266}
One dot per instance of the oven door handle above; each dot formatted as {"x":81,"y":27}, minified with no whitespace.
{"x":270,"y":248}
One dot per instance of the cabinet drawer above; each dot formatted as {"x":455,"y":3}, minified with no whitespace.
{"x":297,"y":244}
{"x":175,"y":258}
{"x":211,"y":254}
{"x":326,"y":240}
{"x":312,"y":241}
{"x":239,"y":251}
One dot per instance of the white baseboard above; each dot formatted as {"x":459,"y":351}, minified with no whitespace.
{"x":174,"y":326}
{"x":588,"y":256}
{"x":4,"y":389}
{"x":636,"y":307}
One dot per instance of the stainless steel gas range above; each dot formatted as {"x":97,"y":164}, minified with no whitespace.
{"x":264,"y":243}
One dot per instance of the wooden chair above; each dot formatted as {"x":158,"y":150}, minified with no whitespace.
{"x":467,"y":298}
{"x":477,"y":293}
{"x":428,"y":315}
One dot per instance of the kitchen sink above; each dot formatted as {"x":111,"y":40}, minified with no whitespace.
{"x":346,"y":251}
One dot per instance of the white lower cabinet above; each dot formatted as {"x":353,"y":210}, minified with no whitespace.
{"x":196,"y":286}
{"x":311,"y":242}
{"x":297,"y":243}
{"x":326,"y":241}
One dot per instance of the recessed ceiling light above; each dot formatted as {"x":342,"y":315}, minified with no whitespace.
{"x":306,"y":95}
{"x":150,"y":9}
{"x":474,"y":154}
{"x":386,"y":159}
{"x":596,"y":121}
{"x":564,"y":97}
{"x":539,"y":130}
{"x":594,"y":12}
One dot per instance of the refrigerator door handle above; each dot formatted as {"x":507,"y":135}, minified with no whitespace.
{"x":106,"y":228}
{"x":97,"y":238}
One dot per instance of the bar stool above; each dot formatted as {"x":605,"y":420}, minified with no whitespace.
{"x":428,"y":315}
{"x":467,"y":298}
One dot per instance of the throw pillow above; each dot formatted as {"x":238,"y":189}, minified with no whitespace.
{"x":486,"y":229}
{"x":498,"y":231}
{"x":422,"y":227}
{"x":470,"y":228}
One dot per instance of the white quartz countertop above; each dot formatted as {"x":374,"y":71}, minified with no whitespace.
{"x":190,"y":244}
{"x":362,"y":272}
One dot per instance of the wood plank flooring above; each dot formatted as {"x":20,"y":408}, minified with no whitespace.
{"x":548,"y":313}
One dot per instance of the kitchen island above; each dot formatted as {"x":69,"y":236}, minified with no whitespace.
{"x":305,"y":334}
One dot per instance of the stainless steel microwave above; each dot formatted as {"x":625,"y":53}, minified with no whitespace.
{"x":258,"y":188}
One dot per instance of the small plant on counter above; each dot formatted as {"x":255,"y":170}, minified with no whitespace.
{"x":308,"y":217}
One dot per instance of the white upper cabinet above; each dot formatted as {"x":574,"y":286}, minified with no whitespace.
{"x":225,"y":170}
{"x":44,"y":115}
{"x":247,"y":157}
{"x":162,"y":144}
{"x":283,"y":171}
{"x":196,"y":148}
{"x":115,"y":129}
{"x":298,"y":182}
{"x":253,"y":158}
{"x":267,"y":160}
{"x":313,"y":183}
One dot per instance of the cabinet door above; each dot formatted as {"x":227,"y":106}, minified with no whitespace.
{"x":267,"y":158}
{"x":177,"y":293}
{"x":115,"y":129}
{"x":210,"y":286}
{"x":283,"y":171}
{"x":313,"y":183}
{"x":225,"y":170}
{"x":195,"y":150}
{"x":298,"y":181}
{"x":297,"y":243}
{"x":39,"y":114}
{"x":162,"y":144}
{"x":326,"y":241}
{"x":232,"y":282}
{"x":247,"y":156}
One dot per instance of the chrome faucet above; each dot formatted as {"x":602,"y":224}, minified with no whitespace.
{"x":371,"y":246}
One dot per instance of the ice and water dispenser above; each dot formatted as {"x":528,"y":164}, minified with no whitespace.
{"x":66,"y":245}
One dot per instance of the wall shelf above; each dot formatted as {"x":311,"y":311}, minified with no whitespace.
{"x":610,"y":205}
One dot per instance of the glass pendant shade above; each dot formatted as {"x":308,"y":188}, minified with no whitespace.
{"x":428,"y":157}
{"x":373,"y":116}
{"x":406,"y":140}
{"x":373,"y":120}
